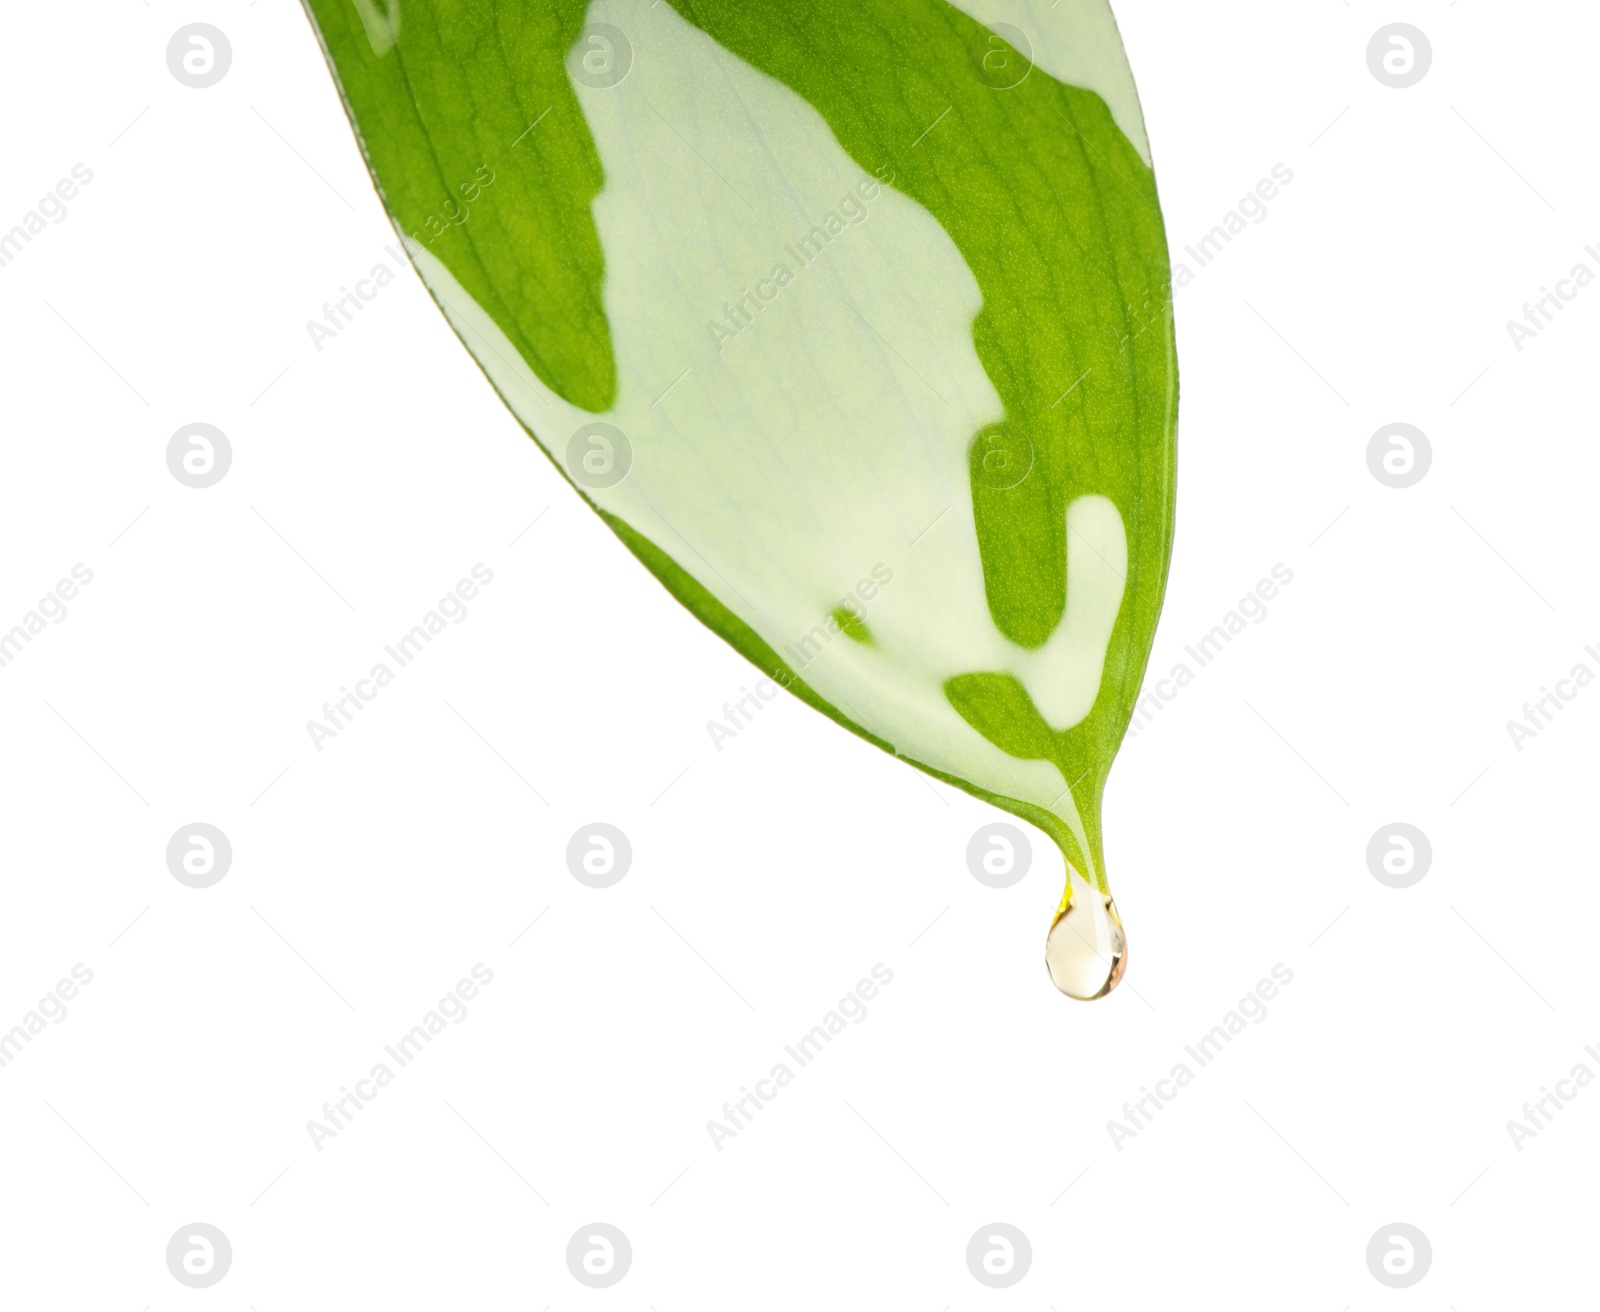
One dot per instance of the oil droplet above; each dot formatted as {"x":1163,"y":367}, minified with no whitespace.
{"x":1087,"y":950}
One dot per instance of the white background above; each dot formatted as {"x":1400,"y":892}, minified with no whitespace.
{"x":371,"y":876}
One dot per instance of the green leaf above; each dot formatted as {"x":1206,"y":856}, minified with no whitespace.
{"x":851,"y":318}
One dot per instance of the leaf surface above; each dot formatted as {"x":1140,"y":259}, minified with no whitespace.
{"x":851,"y":318}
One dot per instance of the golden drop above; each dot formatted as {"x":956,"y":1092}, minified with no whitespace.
{"x":1087,"y":950}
